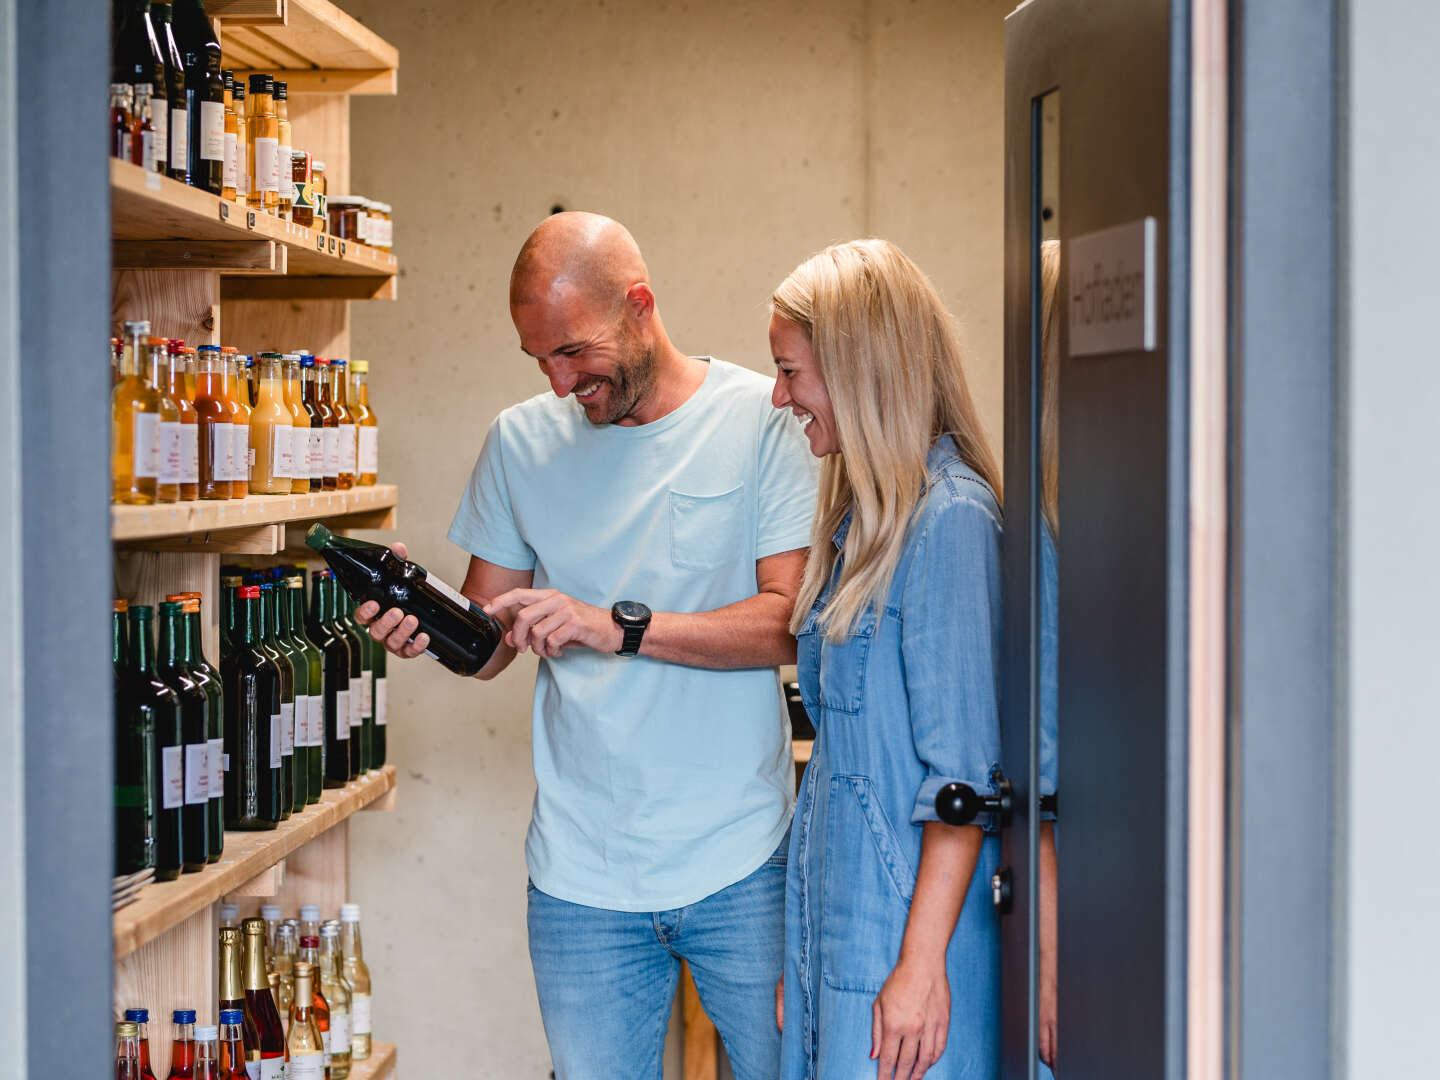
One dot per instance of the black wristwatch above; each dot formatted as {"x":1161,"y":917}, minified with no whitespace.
{"x":633,"y":617}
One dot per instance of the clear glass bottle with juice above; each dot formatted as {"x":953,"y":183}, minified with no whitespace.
{"x":358,"y":975}
{"x":169,"y":461}
{"x":330,"y":421}
{"x":283,"y":168}
{"x":271,"y":426}
{"x":367,"y":431}
{"x":237,"y":390}
{"x":264,"y":150}
{"x":300,"y":425}
{"x":310,"y":399}
{"x":134,"y":425}
{"x":215,"y":416}
{"x":189,"y":424}
{"x":339,"y":399}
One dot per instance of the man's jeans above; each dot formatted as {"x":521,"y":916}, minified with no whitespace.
{"x":606,"y":979}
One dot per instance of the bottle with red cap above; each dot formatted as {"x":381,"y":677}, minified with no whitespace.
{"x":252,"y":722}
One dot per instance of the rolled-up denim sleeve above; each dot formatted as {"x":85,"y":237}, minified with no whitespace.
{"x":950,"y":641}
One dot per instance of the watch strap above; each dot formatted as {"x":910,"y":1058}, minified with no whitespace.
{"x":631,"y":644}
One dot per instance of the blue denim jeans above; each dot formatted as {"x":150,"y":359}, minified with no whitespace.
{"x":606,"y":979}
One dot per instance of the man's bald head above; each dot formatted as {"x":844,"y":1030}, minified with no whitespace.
{"x":577,"y":252}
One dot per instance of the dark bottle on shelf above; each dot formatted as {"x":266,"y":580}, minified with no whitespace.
{"x":231,"y":578}
{"x":338,"y":604}
{"x":462,"y":636}
{"x":310,"y":400}
{"x":314,"y":662}
{"x":141,"y":1019}
{"x":260,"y":1007}
{"x":252,"y":722}
{"x":286,"y":675}
{"x":204,"y":96}
{"x":194,"y":732}
{"x":182,"y":1048}
{"x":135,"y":792}
{"x":368,"y":648}
{"x":150,"y":695}
{"x":141,"y":62}
{"x":232,"y":996}
{"x":278,"y":602}
{"x":208,"y":677}
{"x":160,"y":17}
{"x":377,"y":745}
{"x":321,"y":631}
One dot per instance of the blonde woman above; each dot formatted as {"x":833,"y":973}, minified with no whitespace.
{"x":892,"y":945}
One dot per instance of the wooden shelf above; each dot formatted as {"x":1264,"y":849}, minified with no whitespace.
{"x":312,"y":43}
{"x":164,"y":904}
{"x":380,"y":1065}
{"x":370,"y":505}
{"x":159,"y":223}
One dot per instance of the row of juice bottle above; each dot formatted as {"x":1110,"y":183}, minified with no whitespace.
{"x":294,"y":1004}
{"x":209,"y":423}
{"x":297,"y":704}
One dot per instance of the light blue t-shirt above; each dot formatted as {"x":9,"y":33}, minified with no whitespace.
{"x":656,"y":784}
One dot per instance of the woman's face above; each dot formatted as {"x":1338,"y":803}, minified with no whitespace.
{"x":800,"y":387}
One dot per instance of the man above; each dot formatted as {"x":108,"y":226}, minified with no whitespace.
{"x":647,"y":479}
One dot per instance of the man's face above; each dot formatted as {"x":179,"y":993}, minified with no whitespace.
{"x":589,"y":349}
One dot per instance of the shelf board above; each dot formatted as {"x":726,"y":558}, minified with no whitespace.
{"x":314,"y":43}
{"x":150,"y":209}
{"x":204,"y":519}
{"x":165,"y":904}
{"x":380,"y":1065}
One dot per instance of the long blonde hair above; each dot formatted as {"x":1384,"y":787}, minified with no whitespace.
{"x":890,"y":356}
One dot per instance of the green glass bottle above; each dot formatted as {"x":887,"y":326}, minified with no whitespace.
{"x":252,"y":722}
{"x":231,"y":578}
{"x":135,"y":794}
{"x":336,"y":652}
{"x":377,"y":745}
{"x":367,"y":678}
{"x":278,"y":601}
{"x":294,"y":598}
{"x":150,"y":695}
{"x":357,"y":671}
{"x":194,"y":734}
{"x":208,"y":676}
{"x":287,"y":689}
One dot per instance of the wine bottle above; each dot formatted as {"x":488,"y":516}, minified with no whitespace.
{"x":345,"y":629}
{"x":252,"y":722}
{"x":204,"y":95}
{"x":382,"y":699}
{"x":358,"y":975}
{"x":310,"y":954}
{"x":141,"y":1019}
{"x":278,"y":601}
{"x":260,"y":1004}
{"x":314,"y":662}
{"x":368,"y":648}
{"x":462,"y":636}
{"x":336,"y":652}
{"x":161,"y":713}
{"x":174,"y":90}
{"x":204,"y":673}
{"x":194,"y":732}
{"x":232,"y":994}
{"x":286,"y":675}
{"x":135,"y":791}
{"x":304,"y":1043}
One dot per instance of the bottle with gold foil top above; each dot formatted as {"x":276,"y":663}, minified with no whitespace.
{"x":189,"y":423}
{"x":358,"y":975}
{"x":232,"y":144}
{"x":339,"y":395}
{"x":264,"y":151}
{"x":305,"y":1044}
{"x":271,"y":425}
{"x":310,"y":954}
{"x":232,"y":989}
{"x":284,"y":170}
{"x":367,"y":431}
{"x":134,"y":425}
{"x":260,"y":1004}
{"x":339,"y":996}
{"x":167,"y":481}
{"x":300,"y":425}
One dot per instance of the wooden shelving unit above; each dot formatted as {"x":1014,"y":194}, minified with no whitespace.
{"x":207,"y":526}
{"x":313,"y":43}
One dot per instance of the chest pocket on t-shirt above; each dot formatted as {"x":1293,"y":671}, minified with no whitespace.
{"x":706,"y":529}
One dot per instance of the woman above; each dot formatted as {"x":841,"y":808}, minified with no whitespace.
{"x":892,"y":944}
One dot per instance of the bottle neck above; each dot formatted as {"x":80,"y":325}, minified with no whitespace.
{"x":231,"y":986}
{"x":350,"y":941}
{"x":246,"y":629}
{"x":304,"y":997}
{"x":140,"y":659}
{"x":296,"y":597}
{"x":318,"y":606}
{"x":255,"y":977}
{"x":117,"y":638}
{"x":171,"y":652}
{"x":265,"y":614}
{"x":281,"y":610}
{"x":193,"y":649}
{"x":159,"y":366}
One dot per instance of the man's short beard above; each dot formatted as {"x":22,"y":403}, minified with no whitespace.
{"x":634,"y":378}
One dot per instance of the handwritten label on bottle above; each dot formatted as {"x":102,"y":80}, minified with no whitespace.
{"x":219,"y":762}
{"x":276,"y":741}
{"x":145,"y":445}
{"x":342,"y":714}
{"x":172,"y":778}
{"x":212,"y":130}
{"x":287,"y":728}
{"x":369,"y":451}
{"x":357,"y":698}
{"x":317,"y":453}
{"x":241,"y":457}
{"x":171,"y":470}
{"x":197,"y":773}
{"x":267,"y":153}
{"x":189,"y":453}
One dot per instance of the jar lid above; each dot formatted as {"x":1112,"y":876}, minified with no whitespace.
{"x":383,"y":207}
{"x":360,"y":367}
{"x":348,"y":200}
{"x":318,"y":165}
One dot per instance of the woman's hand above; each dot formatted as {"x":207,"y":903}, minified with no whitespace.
{"x":780,"y":1004}
{"x":912,"y":1019}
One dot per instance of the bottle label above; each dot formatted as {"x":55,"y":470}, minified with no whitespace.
{"x":300,"y":452}
{"x":277,"y":740}
{"x":317,"y":453}
{"x":271,"y":1068}
{"x":232,"y":146}
{"x":197,"y":773}
{"x":287,"y":728}
{"x":339,"y":1030}
{"x":219,"y":763}
{"x":252,"y":1069}
{"x":367,"y":707}
{"x":147,"y":150}
{"x":307,"y":1066}
{"x":342,"y":714}
{"x":280,"y":463}
{"x":242,"y":167}
{"x":362,"y":226}
{"x":330,"y":437}
{"x":357,"y":700}
{"x":380,"y":702}
{"x":189,"y":453}
{"x":171,"y":466}
{"x":212,"y":130}
{"x":347,"y":448}
{"x":369,"y":450}
{"x":179,"y":141}
{"x":267,"y":153}
{"x":172,"y":778}
{"x":160,"y":126}
{"x":359,"y":1015}
{"x":240,"y":454}
{"x":146,"y":444}
{"x":453,"y":594}
{"x":317,"y":719}
{"x":285,"y":170}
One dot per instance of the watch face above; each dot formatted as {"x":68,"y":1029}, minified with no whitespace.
{"x":631,"y":611}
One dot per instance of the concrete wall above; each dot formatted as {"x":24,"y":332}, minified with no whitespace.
{"x":733,"y":139}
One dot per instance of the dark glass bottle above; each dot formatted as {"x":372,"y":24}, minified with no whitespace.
{"x":309,"y":399}
{"x":278,"y":600}
{"x":232,"y":996}
{"x":141,"y":62}
{"x":177,"y":163}
{"x":231,"y":578}
{"x":462,"y":636}
{"x":194,"y":731}
{"x":204,"y":96}
{"x":252,"y":722}
{"x":260,"y":1007}
{"x":336,"y":652}
{"x":135,"y":791}
{"x":368,"y":648}
{"x":150,"y":695}
{"x":314,"y":661}
{"x":377,"y":745}
{"x":287,"y":688}
{"x":338,"y":605}
{"x":203,"y":672}
{"x":141,"y":1019}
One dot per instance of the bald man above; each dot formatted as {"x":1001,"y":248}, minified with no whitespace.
{"x":642,"y":529}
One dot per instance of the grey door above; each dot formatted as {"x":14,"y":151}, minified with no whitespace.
{"x":1095,"y":243}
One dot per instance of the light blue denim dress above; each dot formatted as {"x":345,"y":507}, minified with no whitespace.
{"x":905,"y":705}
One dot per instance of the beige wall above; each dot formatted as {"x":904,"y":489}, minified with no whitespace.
{"x":733,"y":139}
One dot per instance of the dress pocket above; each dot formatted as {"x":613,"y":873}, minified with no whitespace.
{"x":868,"y":885}
{"x":704,"y":529}
{"x":838,"y":667}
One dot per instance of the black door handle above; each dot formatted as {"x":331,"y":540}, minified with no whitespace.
{"x":960,"y":804}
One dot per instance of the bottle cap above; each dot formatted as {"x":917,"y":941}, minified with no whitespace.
{"x":183,"y":1016}
{"x":141,"y":611}
{"x":121,"y":604}
{"x":238,"y":93}
{"x":321,"y":575}
{"x":304,"y":969}
{"x":270,"y":912}
{"x":229,"y":349}
{"x":232,"y":1016}
{"x":157,"y":341}
{"x":126,"y":1029}
{"x":322,"y":361}
{"x":262,"y":84}
{"x":310,"y":941}
{"x":307,"y":361}
{"x":208,"y":348}
{"x":349,"y":913}
{"x":360,"y":367}
{"x":141,"y":327}
{"x":318,"y":165}
{"x":176,"y":343}
{"x":249,"y":592}
{"x":168,"y":607}
{"x":336,"y":363}
{"x":282,"y":89}
{"x":140,"y":1016}
{"x":208,"y":1033}
{"x":229,"y":911}
{"x":270,"y":356}
{"x":330,"y":928}
{"x":309,"y":912}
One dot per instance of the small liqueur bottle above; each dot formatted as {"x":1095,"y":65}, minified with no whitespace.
{"x":310,"y":399}
{"x":339,"y":996}
{"x":173,"y":385}
{"x":335,"y":650}
{"x":300,"y":707}
{"x":170,"y":666}
{"x":358,"y":976}
{"x":314,"y":662}
{"x":134,"y":425}
{"x":207,"y":1052}
{"x":260,"y":1003}
{"x":271,"y":426}
{"x":304,"y":1043}
{"x":287,"y":951}
{"x":310,"y":954}
{"x":286,"y":673}
{"x":204,"y":673}
{"x":147,"y":692}
{"x":264,"y":150}
{"x":367,"y":432}
{"x":252,"y":722}
{"x":136,"y":794}
{"x":141,"y":1020}
{"x":122,"y":119}
{"x":345,"y":419}
{"x":284,"y":170}
{"x":309,"y":927}
{"x":357,"y":675}
{"x":299,"y":426}
{"x":216,"y":418}
{"x":230,"y":175}
{"x":232,"y":1045}
{"x":182,"y":1049}
{"x":229,"y":916}
{"x":127,"y":1052}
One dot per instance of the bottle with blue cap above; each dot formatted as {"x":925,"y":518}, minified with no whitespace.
{"x":141,"y":1019}
{"x":232,"y":1043}
{"x":182,"y":1049}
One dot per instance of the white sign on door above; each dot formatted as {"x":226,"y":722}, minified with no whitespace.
{"x":1112,"y":289}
